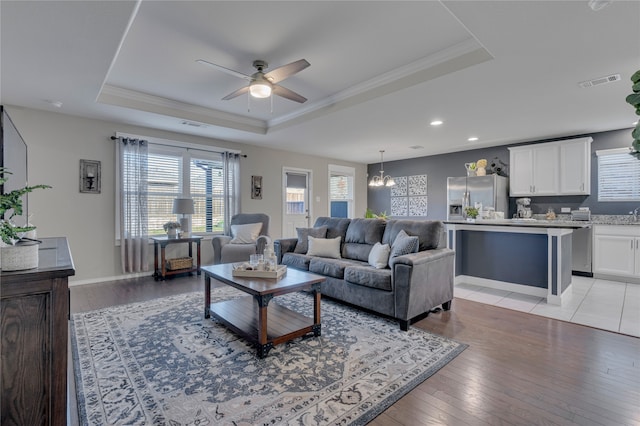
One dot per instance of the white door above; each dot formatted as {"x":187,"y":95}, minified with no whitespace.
{"x":296,"y":190}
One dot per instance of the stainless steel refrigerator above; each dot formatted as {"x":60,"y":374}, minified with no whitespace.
{"x":490,"y":190}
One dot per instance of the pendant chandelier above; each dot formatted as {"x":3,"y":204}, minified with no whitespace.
{"x":382,"y":180}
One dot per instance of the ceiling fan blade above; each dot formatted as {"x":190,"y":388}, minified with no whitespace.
{"x":288,"y":94}
{"x":240,"y":91}
{"x":285,"y":71}
{"x":223,"y":69}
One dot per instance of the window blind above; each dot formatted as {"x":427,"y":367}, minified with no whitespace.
{"x":618,"y":176}
{"x":340,"y":187}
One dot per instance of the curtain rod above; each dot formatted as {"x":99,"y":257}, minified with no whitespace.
{"x":113,"y":138}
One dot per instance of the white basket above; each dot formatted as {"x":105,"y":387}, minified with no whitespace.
{"x":19,"y":257}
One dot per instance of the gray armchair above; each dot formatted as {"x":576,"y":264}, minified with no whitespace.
{"x":224,"y":252}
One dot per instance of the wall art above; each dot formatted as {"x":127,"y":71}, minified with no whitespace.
{"x":256,"y":187}
{"x":90,"y":176}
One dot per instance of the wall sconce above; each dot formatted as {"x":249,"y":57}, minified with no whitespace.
{"x":90,"y":181}
{"x":184,"y":207}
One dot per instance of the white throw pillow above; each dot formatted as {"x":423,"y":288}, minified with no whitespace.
{"x":379,"y":255}
{"x":324,"y":247}
{"x":245,"y":234}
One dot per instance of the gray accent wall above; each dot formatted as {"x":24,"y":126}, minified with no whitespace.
{"x":439,"y":167}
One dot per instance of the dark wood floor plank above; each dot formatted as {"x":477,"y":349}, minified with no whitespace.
{"x":518,"y":369}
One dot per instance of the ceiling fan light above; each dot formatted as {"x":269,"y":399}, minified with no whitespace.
{"x":260,"y":89}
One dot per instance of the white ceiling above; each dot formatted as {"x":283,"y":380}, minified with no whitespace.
{"x":504,"y":71}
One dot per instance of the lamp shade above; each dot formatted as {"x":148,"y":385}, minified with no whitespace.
{"x":183,"y":206}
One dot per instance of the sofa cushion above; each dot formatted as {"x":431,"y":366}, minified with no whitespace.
{"x":365,"y":231}
{"x":336,"y":227}
{"x":324,"y":247}
{"x":427,"y":231}
{"x":296,"y":260}
{"x":367,"y":276}
{"x":331,"y":267}
{"x":302,"y":246}
{"x":403,"y":244}
{"x":362,"y":234}
{"x":379,"y":255}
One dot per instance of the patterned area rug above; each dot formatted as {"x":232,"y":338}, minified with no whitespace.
{"x":161,"y":363}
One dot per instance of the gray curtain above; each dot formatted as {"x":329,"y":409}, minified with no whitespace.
{"x":231,"y":188}
{"x":134,"y":230}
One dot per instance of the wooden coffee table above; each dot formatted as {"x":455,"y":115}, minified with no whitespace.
{"x":252,"y":317}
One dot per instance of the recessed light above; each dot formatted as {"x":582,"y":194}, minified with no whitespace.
{"x":436,"y":122}
{"x":472,"y":139}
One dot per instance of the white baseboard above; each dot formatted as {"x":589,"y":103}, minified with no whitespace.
{"x":106,"y":279}
{"x":502,"y":285}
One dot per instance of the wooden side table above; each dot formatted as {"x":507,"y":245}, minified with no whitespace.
{"x":160,"y":270}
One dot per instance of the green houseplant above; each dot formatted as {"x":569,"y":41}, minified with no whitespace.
{"x":634,"y":100}
{"x":18,"y":252}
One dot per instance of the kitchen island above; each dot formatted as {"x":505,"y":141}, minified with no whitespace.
{"x":521,"y":255}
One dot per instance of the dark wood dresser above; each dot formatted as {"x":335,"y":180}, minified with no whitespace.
{"x":34,"y":314}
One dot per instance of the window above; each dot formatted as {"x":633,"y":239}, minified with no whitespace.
{"x":618,"y":175}
{"x":186,"y":172}
{"x":180,"y":172}
{"x":341,"y":191}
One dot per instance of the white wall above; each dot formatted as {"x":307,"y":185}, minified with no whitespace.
{"x":56,"y":143}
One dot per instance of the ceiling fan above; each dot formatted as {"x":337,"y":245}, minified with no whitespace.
{"x":262,"y":85}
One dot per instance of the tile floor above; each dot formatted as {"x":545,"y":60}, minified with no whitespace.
{"x":608,"y":305}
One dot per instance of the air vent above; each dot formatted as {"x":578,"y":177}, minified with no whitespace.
{"x":601,"y":80}
{"x":193,"y":124}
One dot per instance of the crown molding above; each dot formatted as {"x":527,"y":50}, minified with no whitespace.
{"x":441,"y":57}
{"x":126,"y":98}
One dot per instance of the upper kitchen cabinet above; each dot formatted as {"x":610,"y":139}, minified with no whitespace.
{"x":575,"y":167}
{"x":553,"y":168}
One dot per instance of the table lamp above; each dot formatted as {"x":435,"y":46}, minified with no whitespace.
{"x":183,"y":207}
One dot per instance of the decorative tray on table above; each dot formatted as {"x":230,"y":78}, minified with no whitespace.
{"x":239,"y":270}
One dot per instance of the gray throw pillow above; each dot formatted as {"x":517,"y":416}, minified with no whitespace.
{"x":403,"y":244}
{"x":302,"y":246}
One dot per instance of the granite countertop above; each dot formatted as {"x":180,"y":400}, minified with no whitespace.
{"x":561,"y":221}
{"x":531,"y":223}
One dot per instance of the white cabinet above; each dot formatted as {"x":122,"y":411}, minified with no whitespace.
{"x":534,"y":170}
{"x":553,"y":168}
{"x":616,"y":250}
{"x":575,"y":167}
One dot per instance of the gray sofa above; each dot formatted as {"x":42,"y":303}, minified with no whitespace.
{"x":412,"y":284}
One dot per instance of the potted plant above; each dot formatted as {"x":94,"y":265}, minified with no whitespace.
{"x":171,"y":228}
{"x":370,"y":214}
{"x":17,"y":251}
{"x":471,"y":213}
{"x":634,"y":100}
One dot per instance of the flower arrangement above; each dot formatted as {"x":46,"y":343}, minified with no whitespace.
{"x":10,"y":233}
{"x":481,"y":163}
{"x":171,"y":225}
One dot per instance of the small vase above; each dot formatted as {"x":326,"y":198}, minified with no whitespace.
{"x":171,"y":233}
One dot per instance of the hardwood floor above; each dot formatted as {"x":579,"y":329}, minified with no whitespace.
{"x":519,"y":368}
